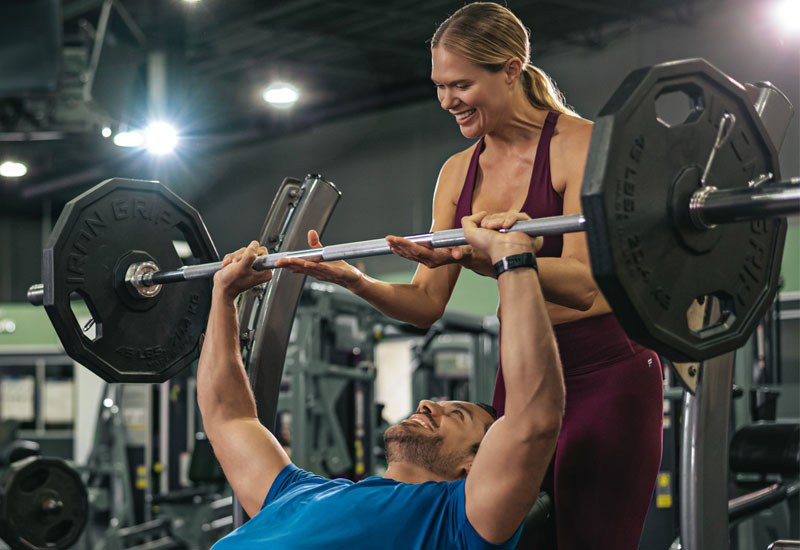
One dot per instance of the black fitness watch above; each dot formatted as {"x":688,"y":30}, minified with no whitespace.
{"x":516,"y":261}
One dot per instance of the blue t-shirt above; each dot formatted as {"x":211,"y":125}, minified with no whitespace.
{"x":306,"y":511}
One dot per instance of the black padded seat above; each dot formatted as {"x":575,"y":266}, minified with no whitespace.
{"x":767,"y":448}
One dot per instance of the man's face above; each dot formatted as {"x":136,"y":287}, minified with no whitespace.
{"x":440,"y":437}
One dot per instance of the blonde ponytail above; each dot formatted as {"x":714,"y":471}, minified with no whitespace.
{"x":542,"y":92}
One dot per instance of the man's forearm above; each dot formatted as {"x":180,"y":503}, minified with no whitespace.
{"x":531,"y":367}
{"x":223,"y":391}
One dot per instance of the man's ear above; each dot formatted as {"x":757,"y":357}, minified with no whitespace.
{"x":513,"y":69}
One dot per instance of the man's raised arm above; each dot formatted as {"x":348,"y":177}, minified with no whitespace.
{"x":249,"y":454}
{"x":505,"y":477}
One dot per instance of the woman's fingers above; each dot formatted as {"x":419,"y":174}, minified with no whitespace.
{"x":503,"y":220}
{"x":313,"y":239}
{"x":434,"y":257}
{"x":429,"y":257}
{"x":474,"y":220}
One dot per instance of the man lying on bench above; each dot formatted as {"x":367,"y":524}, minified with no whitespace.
{"x":456,"y":477}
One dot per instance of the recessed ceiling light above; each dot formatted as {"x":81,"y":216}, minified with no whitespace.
{"x":160,"y":138}
{"x":787,"y":14}
{"x":13,"y":169}
{"x":134,"y":138}
{"x":281,"y":94}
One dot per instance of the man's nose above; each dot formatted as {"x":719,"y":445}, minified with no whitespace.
{"x":430,"y":407}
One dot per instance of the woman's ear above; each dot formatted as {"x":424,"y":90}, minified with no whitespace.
{"x":513,"y":69}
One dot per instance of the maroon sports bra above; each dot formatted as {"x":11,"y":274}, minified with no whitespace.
{"x":542,"y":200}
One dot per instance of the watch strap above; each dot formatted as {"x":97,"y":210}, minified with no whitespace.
{"x":515,"y":261}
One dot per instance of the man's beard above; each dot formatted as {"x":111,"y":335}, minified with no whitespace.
{"x":404,"y":445}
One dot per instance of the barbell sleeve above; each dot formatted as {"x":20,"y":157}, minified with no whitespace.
{"x":746,"y":203}
{"x":36,"y":294}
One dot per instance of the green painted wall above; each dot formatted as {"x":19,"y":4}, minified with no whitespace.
{"x":473,"y":293}
{"x":32,"y":329}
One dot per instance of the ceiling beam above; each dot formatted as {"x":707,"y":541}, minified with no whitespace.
{"x":244,"y":24}
{"x":79,"y":7}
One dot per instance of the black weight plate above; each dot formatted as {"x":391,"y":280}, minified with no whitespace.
{"x":96,"y":237}
{"x":640,"y":172}
{"x":45,"y":504}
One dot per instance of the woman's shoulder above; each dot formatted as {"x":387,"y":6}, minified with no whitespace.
{"x":460,"y":159}
{"x":454,"y":169}
{"x":570,"y":126}
{"x":572,"y":132}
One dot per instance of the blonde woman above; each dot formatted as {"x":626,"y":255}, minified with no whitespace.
{"x":529,"y":157}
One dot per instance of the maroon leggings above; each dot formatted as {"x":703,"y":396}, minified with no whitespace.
{"x":609,"y":449}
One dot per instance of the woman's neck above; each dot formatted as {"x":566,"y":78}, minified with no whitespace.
{"x":520,"y":127}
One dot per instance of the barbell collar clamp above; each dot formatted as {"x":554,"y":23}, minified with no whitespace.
{"x":696,"y":205}
{"x":137,"y":272}
{"x":726,"y":124}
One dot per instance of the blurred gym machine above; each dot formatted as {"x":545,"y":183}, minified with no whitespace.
{"x":124,"y":511}
{"x":456,"y":359}
{"x":43,"y":501}
{"x":764,"y":446}
{"x":326,"y":409}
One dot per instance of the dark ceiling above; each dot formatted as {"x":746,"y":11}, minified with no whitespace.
{"x":347,"y":57}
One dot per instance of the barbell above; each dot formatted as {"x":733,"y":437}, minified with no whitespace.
{"x":673,"y":213}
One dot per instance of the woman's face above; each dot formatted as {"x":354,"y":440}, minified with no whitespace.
{"x":477,"y":98}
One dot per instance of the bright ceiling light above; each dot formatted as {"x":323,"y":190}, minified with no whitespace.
{"x":106,"y":132}
{"x":134,"y":138}
{"x":787,"y":14}
{"x":12,"y":169}
{"x":281,"y":94}
{"x":160,"y":138}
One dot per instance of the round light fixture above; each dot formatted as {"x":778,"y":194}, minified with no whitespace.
{"x":134,"y":138}
{"x":13,"y":169}
{"x":787,"y":15}
{"x":160,"y":138}
{"x":281,"y":94}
